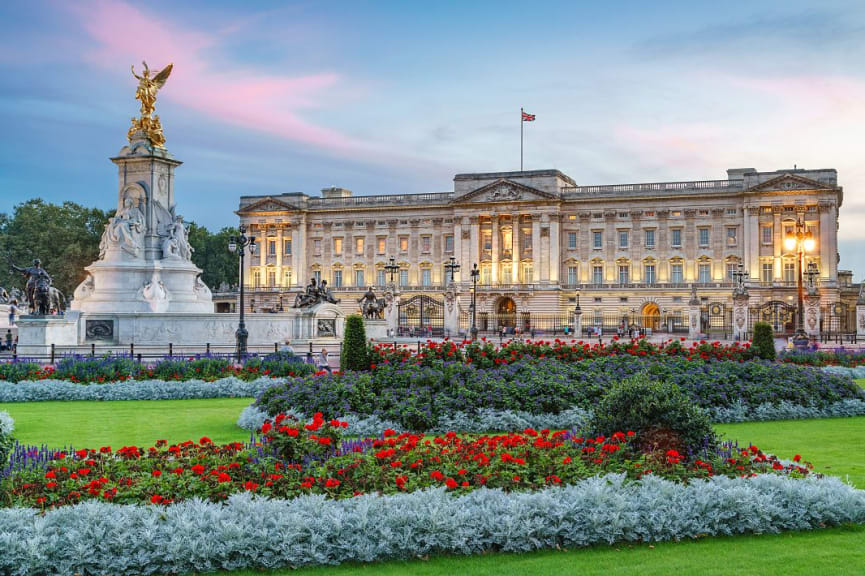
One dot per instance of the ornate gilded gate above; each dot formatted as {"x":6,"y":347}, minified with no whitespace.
{"x":780,"y":315}
{"x":421,"y":315}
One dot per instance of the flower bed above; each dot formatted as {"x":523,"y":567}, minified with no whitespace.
{"x":485,"y":354}
{"x":421,"y":397}
{"x":294,"y":458}
{"x":107,"y":369}
{"x":250,"y":532}
{"x":836,"y":357}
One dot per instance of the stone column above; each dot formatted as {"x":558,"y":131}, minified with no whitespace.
{"x":828,"y":241}
{"x":452,"y":312}
{"x":555,"y":244}
{"x":279,"y":250}
{"x":578,"y":323}
{"x":457,"y":252}
{"x":740,"y":317}
{"x":543,"y":249}
{"x":778,"y":245}
{"x":753,"y":241}
{"x":298,"y":252}
{"x":474,"y":244}
{"x":860,"y":320}
{"x":694,"y":329}
{"x":536,"y":249}
{"x":515,"y":248}
{"x":495,"y":257}
{"x":391,"y":310}
{"x":812,"y":315}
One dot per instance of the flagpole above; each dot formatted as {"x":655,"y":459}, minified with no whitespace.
{"x":521,"y":138}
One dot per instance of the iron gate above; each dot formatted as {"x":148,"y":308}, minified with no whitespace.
{"x":839,"y":318}
{"x":717,"y":317}
{"x":780,"y":315}
{"x":421,"y":315}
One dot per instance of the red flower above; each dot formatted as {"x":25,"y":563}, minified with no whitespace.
{"x":250,"y":486}
{"x":265,"y":428}
{"x":223,"y":477}
{"x":198,"y":469}
{"x":437,"y":475}
{"x":156,"y":499}
{"x":331,"y":483}
{"x":797,"y":458}
{"x":205,"y":440}
{"x":156,"y":473}
{"x":451,"y":483}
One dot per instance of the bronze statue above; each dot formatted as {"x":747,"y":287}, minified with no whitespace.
{"x":370,"y":306}
{"x":37,"y":287}
{"x":325,"y":294}
{"x":147,"y":88}
{"x":307,"y":298}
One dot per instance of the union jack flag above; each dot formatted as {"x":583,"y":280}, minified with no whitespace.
{"x":528,"y":117}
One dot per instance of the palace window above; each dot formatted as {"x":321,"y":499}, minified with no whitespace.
{"x":704,"y":237}
{"x":317,"y":275}
{"x":449,"y":243}
{"x":286,"y":246}
{"x":623,"y":273}
{"x":337,"y":246}
{"x":572,"y":275}
{"x":426,"y":243}
{"x":380,"y":278}
{"x":358,"y":246}
{"x":271,"y":277}
{"x":766,"y":234}
{"x":271,"y":247}
{"x":597,"y":274}
{"x":488,"y":242}
{"x":403,"y":243}
{"x":316,"y":247}
{"x":623,"y":239}
{"x":677,"y":237}
{"x":731,"y":211}
{"x":704,"y":273}
{"x":381,"y":245}
{"x":732,"y":267}
{"x":676,"y":276}
{"x":731,"y":236}
{"x":486,"y":274}
{"x":358,"y":278}
{"x":789,"y":271}
{"x":767,"y":272}
{"x":572,"y":240}
{"x":650,"y":238}
{"x":526,"y":272}
{"x":597,"y":240}
{"x":426,"y":277}
{"x":337,"y":278}
{"x":403,"y":277}
{"x":649,"y":273}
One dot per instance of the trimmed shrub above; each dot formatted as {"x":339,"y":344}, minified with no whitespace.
{"x":659,"y":412}
{"x":764,"y":341}
{"x":7,"y":426}
{"x":354,"y":352}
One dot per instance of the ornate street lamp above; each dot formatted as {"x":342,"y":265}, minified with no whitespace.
{"x":391,"y":268}
{"x":475,"y":273}
{"x":452,"y":267}
{"x":241,"y":243}
{"x":801,"y":241}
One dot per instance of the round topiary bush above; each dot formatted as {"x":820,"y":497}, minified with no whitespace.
{"x":663,"y":416}
{"x":764,"y":341}
{"x":354,"y":352}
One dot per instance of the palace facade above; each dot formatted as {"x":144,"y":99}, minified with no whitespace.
{"x":626,"y":253}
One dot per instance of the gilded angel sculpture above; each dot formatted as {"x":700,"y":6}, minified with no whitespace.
{"x":146,"y":93}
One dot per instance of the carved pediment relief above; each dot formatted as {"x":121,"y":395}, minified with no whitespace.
{"x":505,"y":191}
{"x":789,"y":182}
{"x":267,"y":205}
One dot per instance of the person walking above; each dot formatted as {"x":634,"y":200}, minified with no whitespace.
{"x":13,"y":310}
{"x":287,"y":348}
{"x":324,"y":363}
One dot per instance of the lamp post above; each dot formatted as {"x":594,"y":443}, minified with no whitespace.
{"x":801,"y":241}
{"x":452,"y":267}
{"x":241,"y":243}
{"x":391,"y":268}
{"x":475,"y":273}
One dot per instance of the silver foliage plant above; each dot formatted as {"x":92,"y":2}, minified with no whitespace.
{"x":7,"y":424}
{"x":45,"y":390}
{"x":250,"y":532}
{"x":487,"y":420}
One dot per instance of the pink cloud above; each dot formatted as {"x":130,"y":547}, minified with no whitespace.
{"x":124,"y":34}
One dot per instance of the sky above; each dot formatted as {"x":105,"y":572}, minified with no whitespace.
{"x":398,"y":97}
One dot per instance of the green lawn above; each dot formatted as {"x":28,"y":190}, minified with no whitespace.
{"x":835,"y":446}
{"x":135,"y":422}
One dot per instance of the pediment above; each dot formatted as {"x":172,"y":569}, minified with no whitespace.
{"x":267,"y":205}
{"x":503,"y":190}
{"x":786,"y":182}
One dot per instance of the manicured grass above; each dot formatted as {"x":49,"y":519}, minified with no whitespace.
{"x":136,"y":422}
{"x":836,"y":552}
{"x":834,"y":445}
{"x":860,"y":382}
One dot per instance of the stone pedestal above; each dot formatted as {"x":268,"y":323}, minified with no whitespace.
{"x":36,"y":334}
{"x":578,"y":323}
{"x":740,"y":317}
{"x":694,"y":328}
{"x":376,"y":330}
{"x":812,"y":315}
{"x":452,"y":312}
{"x":391,"y":311}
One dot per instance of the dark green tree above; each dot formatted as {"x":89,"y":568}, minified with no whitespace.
{"x":212,"y":255}
{"x":764,"y":341}
{"x":354,"y":353}
{"x":65,"y":237}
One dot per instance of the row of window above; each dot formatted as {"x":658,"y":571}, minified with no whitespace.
{"x":624,"y":238}
{"x":381,"y":245}
{"x":704,"y":273}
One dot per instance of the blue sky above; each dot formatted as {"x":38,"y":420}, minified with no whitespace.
{"x":394,"y":97}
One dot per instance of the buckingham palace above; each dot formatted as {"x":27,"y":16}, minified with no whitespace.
{"x":632,"y":254}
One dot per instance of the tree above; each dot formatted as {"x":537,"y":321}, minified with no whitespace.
{"x":64,"y":237}
{"x":764,"y":341}
{"x":354,"y":352}
{"x":212,"y":255}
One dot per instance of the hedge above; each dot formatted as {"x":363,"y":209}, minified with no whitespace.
{"x":256,"y":533}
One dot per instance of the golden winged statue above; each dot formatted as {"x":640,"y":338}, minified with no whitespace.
{"x":148,"y":123}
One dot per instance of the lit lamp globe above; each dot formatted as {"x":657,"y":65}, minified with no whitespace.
{"x":790,"y":242}
{"x":809,"y":242}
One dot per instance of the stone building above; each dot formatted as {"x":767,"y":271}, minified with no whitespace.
{"x":627,"y":253}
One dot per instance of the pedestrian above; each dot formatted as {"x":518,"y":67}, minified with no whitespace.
{"x":324,"y":363}
{"x":13,"y":310}
{"x":287,"y":348}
